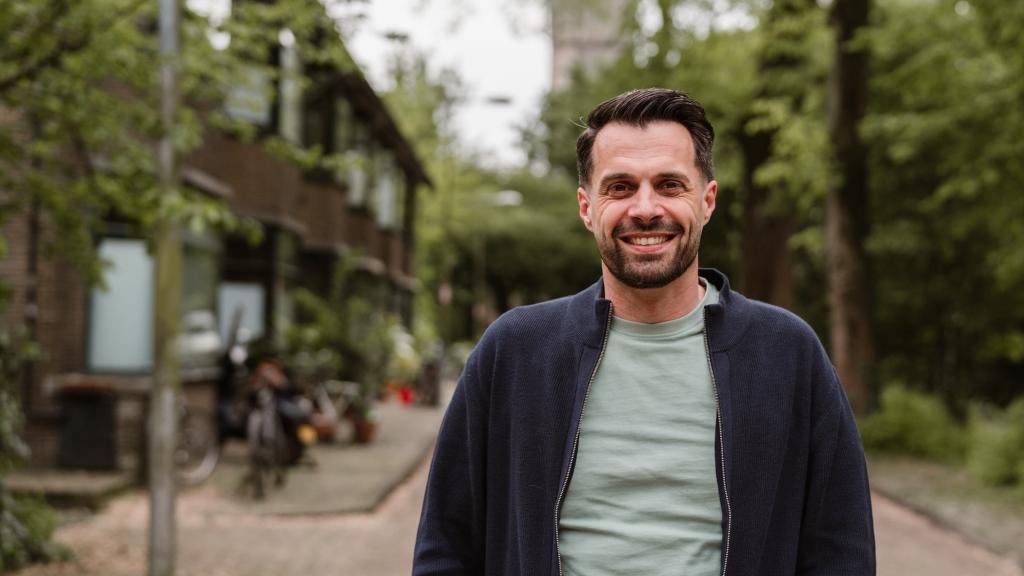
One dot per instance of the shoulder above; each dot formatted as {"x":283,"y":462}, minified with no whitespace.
{"x":772,"y":320}
{"x":523,"y":325}
{"x":763,"y":330}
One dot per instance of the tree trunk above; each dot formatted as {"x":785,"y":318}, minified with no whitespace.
{"x":847,"y":224}
{"x":767,"y":267}
{"x":766,"y":261}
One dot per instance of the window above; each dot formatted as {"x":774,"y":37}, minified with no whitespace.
{"x":121,"y":316}
{"x":241,"y":302}
{"x":386,"y":190}
{"x":249,"y":98}
{"x":290,"y":110}
{"x":358,"y":169}
{"x":199,"y":342}
{"x":344,"y":133}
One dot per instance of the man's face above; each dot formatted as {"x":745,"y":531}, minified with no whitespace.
{"x":646,"y":202}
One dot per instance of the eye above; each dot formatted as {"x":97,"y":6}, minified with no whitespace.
{"x":618,"y":188}
{"x":673,"y":186}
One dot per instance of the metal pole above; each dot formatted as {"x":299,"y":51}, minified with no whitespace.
{"x":162,"y":407}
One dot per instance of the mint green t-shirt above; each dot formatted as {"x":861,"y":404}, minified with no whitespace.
{"x":644,"y":497}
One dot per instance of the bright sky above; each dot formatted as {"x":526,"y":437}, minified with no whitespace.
{"x":500,"y":50}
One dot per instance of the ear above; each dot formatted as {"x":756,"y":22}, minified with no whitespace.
{"x":709,"y":199}
{"x":584,"y":200}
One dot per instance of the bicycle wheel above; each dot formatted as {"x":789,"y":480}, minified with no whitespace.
{"x":197,"y":450}
{"x":264,"y":438}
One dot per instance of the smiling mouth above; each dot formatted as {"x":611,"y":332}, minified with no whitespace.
{"x":647,"y":240}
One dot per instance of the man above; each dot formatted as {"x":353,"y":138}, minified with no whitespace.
{"x":657,"y":422}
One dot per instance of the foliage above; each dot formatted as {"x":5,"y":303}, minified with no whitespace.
{"x":716,"y":67}
{"x":467,"y":242}
{"x":26,"y":524}
{"x":945,"y":138}
{"x":26,"y":531}
{"x":996,"y":450}
{"x":352,"y":338}
{"x":79,"y":114}
{"x":944,"y":131}
{"x":913,"y":423}
{"x":79,"y":99}
{"x":14,"y":351}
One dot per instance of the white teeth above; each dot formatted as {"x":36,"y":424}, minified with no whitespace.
{"x":648,"y":240}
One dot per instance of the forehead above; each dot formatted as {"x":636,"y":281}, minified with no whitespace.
{"x":659,"y":145}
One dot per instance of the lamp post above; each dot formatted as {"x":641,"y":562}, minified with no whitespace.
{"x":164,"y":391}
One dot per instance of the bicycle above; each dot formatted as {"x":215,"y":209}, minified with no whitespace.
{"x":197,"y":448}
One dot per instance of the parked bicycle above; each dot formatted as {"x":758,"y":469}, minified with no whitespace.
{"x":278,"y":427}
{"x":197,"y":450}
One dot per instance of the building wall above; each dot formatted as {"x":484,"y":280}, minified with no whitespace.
{"x":313,"y":211}
{"x":585,"y":33}
{"x":321,"y":208}
{"x":262,"y":185}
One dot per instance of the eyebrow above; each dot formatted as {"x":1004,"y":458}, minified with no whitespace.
{"x":659,"y":176}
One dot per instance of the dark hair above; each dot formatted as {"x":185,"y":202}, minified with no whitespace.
{"x":640,"y":107}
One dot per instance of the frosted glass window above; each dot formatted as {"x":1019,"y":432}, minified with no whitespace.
{"x":121,"y":316}
{"x":386,"y":196}
{"x":357,"y":185}
{"x":249,"y":96}
{"x":291,"y":91}
{"x":247,"y":299}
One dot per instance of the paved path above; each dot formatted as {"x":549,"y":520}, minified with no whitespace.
{"x":911,"y":545}
{"x":365,"y":544}
{"x":223,"y":535}
{"x":380,"y":543}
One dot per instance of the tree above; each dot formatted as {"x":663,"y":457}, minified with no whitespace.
{"x":847,"y":222}
{"x":79,"y":117}
{"x":947,"y":226}
{"x":776,"y":184}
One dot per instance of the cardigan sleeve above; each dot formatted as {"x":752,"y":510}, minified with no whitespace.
{"x":837,"y":537}
{"x":450,"y":538}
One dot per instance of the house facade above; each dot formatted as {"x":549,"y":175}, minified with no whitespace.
{"x":85,"y":400}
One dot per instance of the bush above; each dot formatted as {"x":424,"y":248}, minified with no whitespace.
{"x":26,"y":524}
{"x":913,"y":423}
{"x":996,"y":453}
{"x":26,"y":529}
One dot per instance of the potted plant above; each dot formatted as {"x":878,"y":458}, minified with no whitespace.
{"x":358,"y":336}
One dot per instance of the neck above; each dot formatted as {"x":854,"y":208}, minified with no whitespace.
{"x":652,"y":305}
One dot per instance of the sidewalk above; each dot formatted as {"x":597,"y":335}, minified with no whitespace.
{"x":336,"y":518}
{"x":347,"y":477}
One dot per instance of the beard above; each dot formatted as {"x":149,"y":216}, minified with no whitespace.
{"x":649,"y":270}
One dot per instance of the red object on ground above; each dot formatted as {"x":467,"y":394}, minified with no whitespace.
{"x":406,"y":395}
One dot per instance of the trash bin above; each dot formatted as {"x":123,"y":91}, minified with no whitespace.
{"x":88,"y":432}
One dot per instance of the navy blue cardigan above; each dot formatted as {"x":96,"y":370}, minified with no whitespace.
{"x":791,"y":474}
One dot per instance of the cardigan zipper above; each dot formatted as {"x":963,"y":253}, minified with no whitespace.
{"x":576,"y":438}
{"x":721,"y":446}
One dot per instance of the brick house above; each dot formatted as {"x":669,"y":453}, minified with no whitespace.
{"x":97,"y":344}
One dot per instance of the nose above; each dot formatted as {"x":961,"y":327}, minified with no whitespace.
{"x":646,"y":205}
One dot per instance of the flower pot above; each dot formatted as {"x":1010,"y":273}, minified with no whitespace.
{"x":365,"y":430}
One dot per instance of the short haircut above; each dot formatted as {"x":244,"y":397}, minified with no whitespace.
{"x":639,"y":108}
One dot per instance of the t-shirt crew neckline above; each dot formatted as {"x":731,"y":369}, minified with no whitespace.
{"x":691,"y":323}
